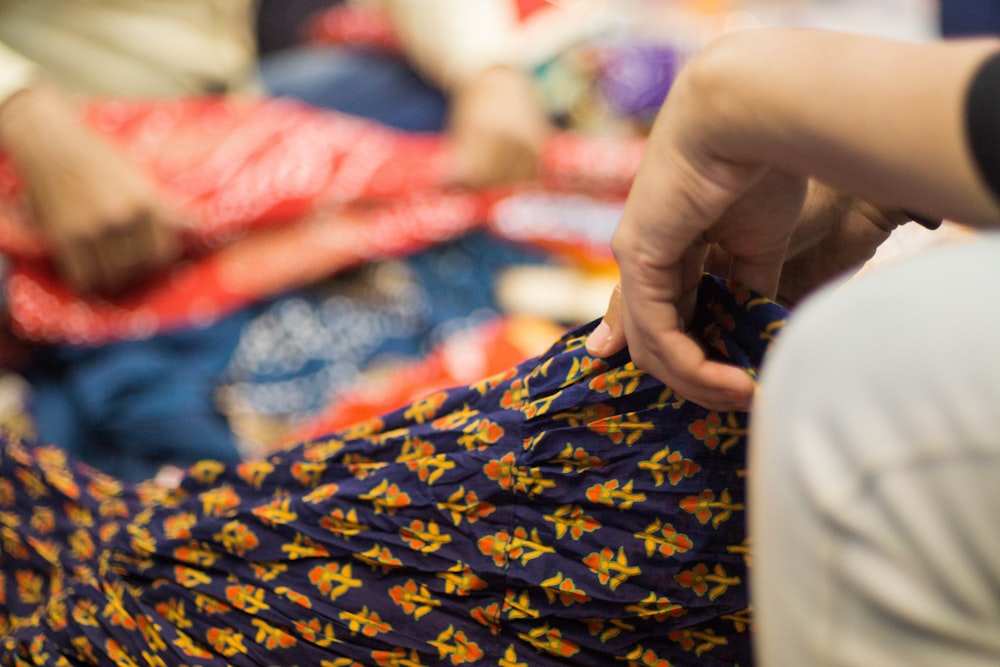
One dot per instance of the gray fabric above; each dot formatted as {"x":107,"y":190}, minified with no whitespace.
{"x":875,"y":471}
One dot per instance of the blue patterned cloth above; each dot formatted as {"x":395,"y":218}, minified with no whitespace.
{"x":570,"y":511}
{"x":303,"y":350}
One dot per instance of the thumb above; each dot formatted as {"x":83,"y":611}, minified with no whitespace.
{"x":609,"y":336}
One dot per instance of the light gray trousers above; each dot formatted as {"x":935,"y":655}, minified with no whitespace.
{"x":875,"y":471}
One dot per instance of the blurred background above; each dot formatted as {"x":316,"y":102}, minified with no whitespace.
{"x":380,"y":199}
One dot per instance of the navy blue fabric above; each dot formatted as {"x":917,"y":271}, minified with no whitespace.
{"x":969,"y":17}
{"x":568,"y":512}
{"x":372,"y":85}
{"x":128,"y":408}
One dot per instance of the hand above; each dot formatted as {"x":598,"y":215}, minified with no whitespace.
{"x":725,"y":170}
{"x":834,"y":236}
{"x":105,"y":223}
{"x":498,"y":127}
{"x":686,"y":199}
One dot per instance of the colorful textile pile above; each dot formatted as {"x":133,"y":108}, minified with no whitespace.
{"x":321,"y":345}
{"x":282,"y":196}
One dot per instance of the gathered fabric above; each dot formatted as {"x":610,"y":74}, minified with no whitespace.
{"x":570,"y":510}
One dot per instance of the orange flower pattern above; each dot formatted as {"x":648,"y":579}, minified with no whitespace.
{"x":572,"y":511}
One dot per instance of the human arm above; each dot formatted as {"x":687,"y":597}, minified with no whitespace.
{"x":747,"y":123}
{"x":104,"y":221}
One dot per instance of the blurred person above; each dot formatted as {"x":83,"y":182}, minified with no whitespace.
{"x":131,"y":407}
{"x":126,"y":407}
{"x":106,"y":223}
{"x":467,"y":70}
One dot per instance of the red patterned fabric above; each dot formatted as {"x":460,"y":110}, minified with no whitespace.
{"x":370,"y":27}
{"x":281,"y":194}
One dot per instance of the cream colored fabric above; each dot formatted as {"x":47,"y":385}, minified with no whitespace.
{"x":141,"y":48}
{"x":451,"y":40}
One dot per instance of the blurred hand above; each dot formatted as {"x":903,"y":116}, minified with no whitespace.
{"x":498,"y":127}
{"x":105,"y":223}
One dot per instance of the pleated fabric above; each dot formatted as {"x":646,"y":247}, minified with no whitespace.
{"x":570,"y":511}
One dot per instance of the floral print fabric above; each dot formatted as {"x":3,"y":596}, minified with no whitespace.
{"x":571,"y":511}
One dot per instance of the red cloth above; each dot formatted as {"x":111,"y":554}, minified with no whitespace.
{"x":362,"y":27}
{"x":372,"y":27}
{"x":281,"y":194}
{"x":525,"y":8}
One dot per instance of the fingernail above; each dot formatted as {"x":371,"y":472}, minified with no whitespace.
{"x":598,"y":338}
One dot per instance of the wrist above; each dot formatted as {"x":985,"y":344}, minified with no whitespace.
{"x":25,"y":112}
{"x":38,"y":130}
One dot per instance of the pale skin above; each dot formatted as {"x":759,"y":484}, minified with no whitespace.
{"x":498,"y":127}
{"x":755,"y":122}
{"x":105,"y":222}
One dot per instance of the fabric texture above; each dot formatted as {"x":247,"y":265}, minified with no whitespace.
{"x":307,"y":349}
{"x":570,"y":511}
{"x":131,"y":407}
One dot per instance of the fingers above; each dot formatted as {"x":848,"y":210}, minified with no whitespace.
{"x":677,"y":360}
{"x":674,"y":358}
{"x":659,"y":344}
{"x":169,"y":477}
{"x":112,"y":260}
{"x":756,"y":230}
{"x":609,"y":336}
{"x":852,"y":230}
{"x":745,"y":237}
